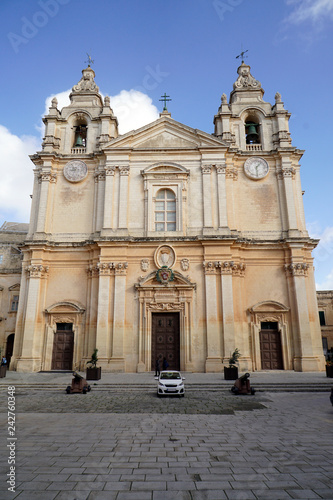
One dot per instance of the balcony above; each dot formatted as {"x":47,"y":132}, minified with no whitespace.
{"x":253,"y":147}
{"x":78,"y":151}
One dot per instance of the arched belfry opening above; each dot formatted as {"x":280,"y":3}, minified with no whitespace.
{"x":252,"y":131}
{"x":80,"y":136}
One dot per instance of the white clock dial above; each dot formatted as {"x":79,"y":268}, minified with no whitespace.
{"x":75,"y":170}
{"x":256,"y":168}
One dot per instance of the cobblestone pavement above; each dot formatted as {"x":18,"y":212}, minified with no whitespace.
{"x":135,"y":401}
{"x":134,"y":446}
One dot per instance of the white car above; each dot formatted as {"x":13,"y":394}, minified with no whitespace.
{"x":170,"y":382}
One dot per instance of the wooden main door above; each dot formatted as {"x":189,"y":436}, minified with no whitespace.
{"x":63,"y":345}
{"x":270,"y":347}
{"x":165,"y":340}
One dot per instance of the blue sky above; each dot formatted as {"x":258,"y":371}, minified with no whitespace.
{"x":186,"y":48}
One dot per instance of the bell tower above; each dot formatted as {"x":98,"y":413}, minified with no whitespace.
{"x":83,"y":126}
{"x":249,"y":123}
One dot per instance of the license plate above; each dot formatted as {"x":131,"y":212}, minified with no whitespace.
{"x":171,"y":390}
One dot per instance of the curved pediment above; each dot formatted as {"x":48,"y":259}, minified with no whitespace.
{"x":165,"y":168}
{"x":268,"y":306}
{"x":65,"y":307}
{"x":179,"y":280}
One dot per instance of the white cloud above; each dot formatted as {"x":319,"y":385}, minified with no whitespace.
{"x":16,"y":175}
{"x":310,"y":10}
{"x":133,"y":109}
{"x":323,"y":255}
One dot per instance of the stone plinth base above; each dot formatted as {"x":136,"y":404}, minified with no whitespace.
{"x":141,"y":367}
{"x":309,"y":364}
{"x":213,"y":365}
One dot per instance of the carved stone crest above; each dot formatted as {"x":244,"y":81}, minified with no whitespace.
{"x":165,"y":256}
{"x":185,"y":264}
{"x":145,"y":265}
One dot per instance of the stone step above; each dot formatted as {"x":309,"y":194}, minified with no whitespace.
{"x":191,"y":387}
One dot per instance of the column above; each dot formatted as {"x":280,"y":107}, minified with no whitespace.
{"x":123,"y":197}
{"x":108,"y":197}
{"x":207,"y":198}
{"x":29,"y":359}
{"x":117,"y":360}
{"x":103,"y":308}
{"x":213,"y":360}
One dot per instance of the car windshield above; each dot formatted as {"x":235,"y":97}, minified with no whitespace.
{"x":170,"y":376}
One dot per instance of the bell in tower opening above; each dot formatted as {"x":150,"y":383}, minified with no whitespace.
{"x":251,"y":131}
{"x":80,"y":138}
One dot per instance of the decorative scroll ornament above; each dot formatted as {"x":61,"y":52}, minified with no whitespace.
{"x":87,"y":83}
{"x":164,"y":275}
{"x":107,"y":268}
{"x":286,"y":172}
{"x":169,"y":306}
{"x":225,"y":267}
{"x":245,"y":79}
{"x":296,"y":269}
{"x":37,"y":271}
{"x":47,"y":176}
{"x":75,"y":171}
{"x":206,"y":169}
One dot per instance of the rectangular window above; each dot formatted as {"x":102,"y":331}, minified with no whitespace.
{"x":14,"y":305}
{"x":322,"y":318}
{"x":1,"y":258}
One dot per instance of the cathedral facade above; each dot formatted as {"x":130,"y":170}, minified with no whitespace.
{"x":168,"y":242}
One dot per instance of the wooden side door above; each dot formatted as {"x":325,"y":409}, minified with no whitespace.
{"x":270,"y":347}
{"x":63,"y":347}
{"x":165,"y":340}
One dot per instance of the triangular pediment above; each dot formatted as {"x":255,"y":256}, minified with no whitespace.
{"x":164,"y":133}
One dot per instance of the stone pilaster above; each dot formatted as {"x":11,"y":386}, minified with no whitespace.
{"x":304,"y":359}
{"x":45,"y":179}
{"x":30,"y":359}
{"x":207,"y":198}
{"x":117,"y":360}
{"x":213,"y":360}
{"x":287,"y":175}
{"x":124,"y":172}
{"x":108,"y":197}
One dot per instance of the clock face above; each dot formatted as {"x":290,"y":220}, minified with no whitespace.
{"x":256,"y":168}
{"x":75,"y":170}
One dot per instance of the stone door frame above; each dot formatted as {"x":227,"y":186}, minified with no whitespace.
{"x":269,"y":311}
{"x":175,"y":297}
{"x":63,"y":312}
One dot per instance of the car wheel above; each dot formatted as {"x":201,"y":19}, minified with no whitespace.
{"x":68,"y":390}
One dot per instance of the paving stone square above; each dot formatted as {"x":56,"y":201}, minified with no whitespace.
{"x":275,"y":445}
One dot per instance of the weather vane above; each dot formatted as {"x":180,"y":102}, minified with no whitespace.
{"x":90,"y":61}
{"x":164,"y":99}
{"x":242,"y":55}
